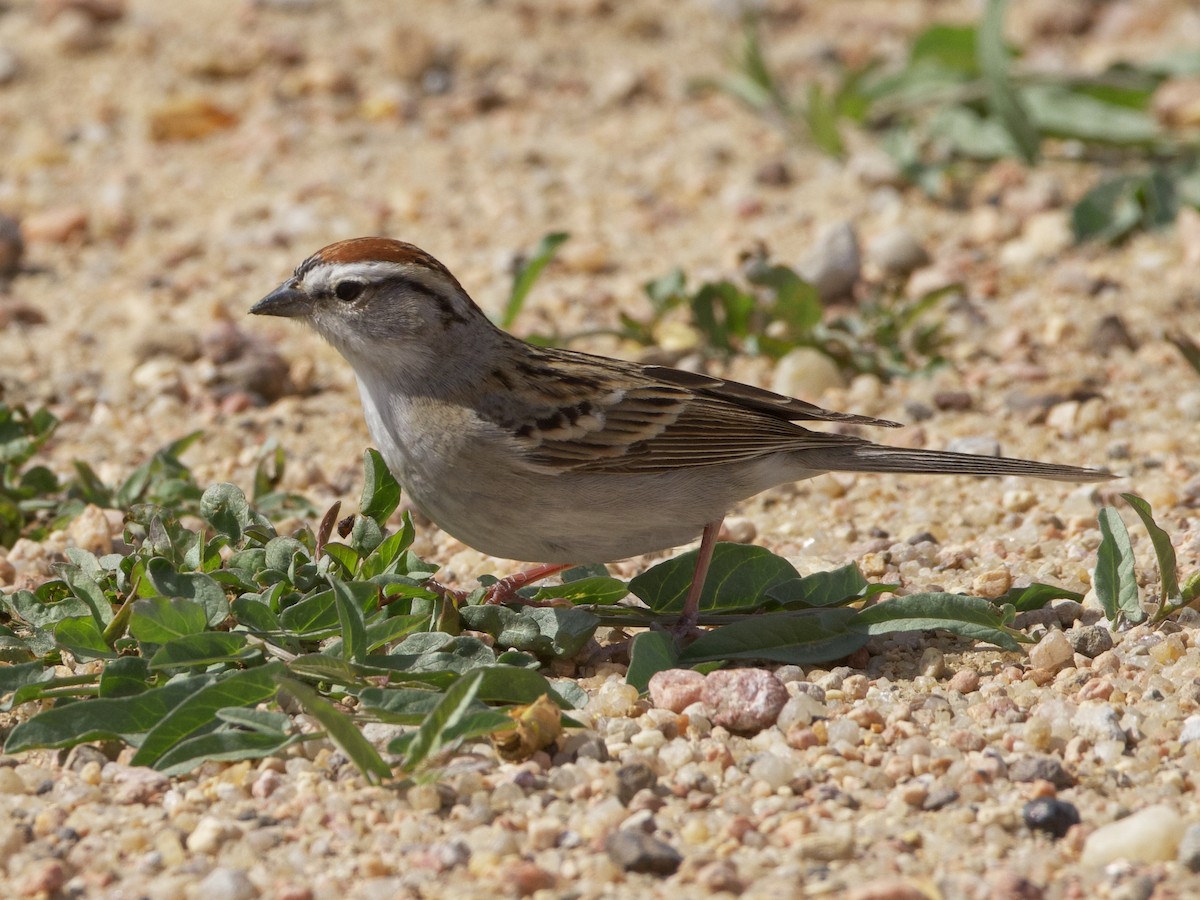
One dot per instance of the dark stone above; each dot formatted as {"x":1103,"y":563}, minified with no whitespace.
{"x":636,"y":851}
{"x":633,"y":778}
{"x":1051,"y":815}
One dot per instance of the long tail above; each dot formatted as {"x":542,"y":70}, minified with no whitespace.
{"x":869,"y":457}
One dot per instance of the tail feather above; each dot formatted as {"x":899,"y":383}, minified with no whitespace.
{"x":869,"y":457}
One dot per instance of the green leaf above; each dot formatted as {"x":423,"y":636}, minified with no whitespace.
{"x":161,"y":619}
{"x":14,"y":678}
{"x":527,"y":273}
{"x":86,"y":589}
{"x":83,"y":637}
{"x":951,"y":47}
{"x":312,"y":616}
{"x":126,"y":676}
{"x":1164,"y":552}
{"x":350,"y":621}
{"x":544,"y":631}
{"x":202,"y":650}
{"x":341,"y":730}
{"x":1003,"y":99}
{"x":1035,"y":596}
{"x":225,"y":508}
{"x":1114,"y":208}
{"x":600,"y":590}
{"x":1115,"y":582}
{"x":222,"y":746}
{"x":739,"y":577}
{"x":650,"y":652}
{"x":804,"y":638}
{"x":1057,"y":111}
{"x":197,"y":711}
{"x":835,"y":588}
{"x":381,"y":491}
{"x":196,"y":586}
{"x":969,"y":617}
{"x":124,"y":718}
{"x":437,"y":731}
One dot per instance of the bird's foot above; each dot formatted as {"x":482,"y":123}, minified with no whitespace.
{"x":505,"y":590}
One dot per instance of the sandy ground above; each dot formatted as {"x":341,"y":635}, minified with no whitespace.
{"x":171,"y":162}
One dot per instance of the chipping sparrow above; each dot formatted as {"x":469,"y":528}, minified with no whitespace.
{"x":559,"y":457}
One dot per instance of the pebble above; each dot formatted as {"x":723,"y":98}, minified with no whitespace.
{"x":227,"y":884}
{"x":897,"y":251}
{"x":633,"y":778}
{"x":1098,"y":722}
{"x":1189,"y":849}
{"x":1040,"y":768}
{"x":965,"y":681}
{"x":12,"y":248}
{"x":1090,"y":640}
{"x":743,"y":700}
{"x":675,"y":689}
{"x":636,"y":851}
{"x":90,"y":531}
{"x":209,"y":834}
{"x":1052,"y":652}
{"x":1190,"y":730}
{"x":1150,"y":835}
{"x":887,"y":889}
{"x":834,"y":264}
{"x":10,"y":66}
{"x":806,"y":372}
{"x":1051,"y":815}
{"x":56,"y":225}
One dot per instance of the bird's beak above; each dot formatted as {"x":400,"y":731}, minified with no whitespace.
{"x":286,"y":300}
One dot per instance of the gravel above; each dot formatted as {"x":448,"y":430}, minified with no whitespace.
{"x":155,"y":210}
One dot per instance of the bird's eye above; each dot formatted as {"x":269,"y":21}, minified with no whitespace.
{"x":348,"y":290}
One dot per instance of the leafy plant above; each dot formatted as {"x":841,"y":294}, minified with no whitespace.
{"x":959,"y":99}
{"x":1116,"y":578}
{"x":773,"y":310}
{"x":201,"y":633}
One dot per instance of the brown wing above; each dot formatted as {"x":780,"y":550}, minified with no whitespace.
{"x":591,"y":414}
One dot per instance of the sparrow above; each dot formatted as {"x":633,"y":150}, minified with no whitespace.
{"x":558,"y":457}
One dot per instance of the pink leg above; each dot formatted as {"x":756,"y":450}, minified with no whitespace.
{"x":691,"y":606}
{"x":506,"y":589}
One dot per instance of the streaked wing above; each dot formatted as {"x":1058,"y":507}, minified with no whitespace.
{"x":596,"y":415}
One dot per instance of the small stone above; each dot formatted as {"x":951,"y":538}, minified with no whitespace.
{"x":425,"y":797}
{"x":897,"y":251}
{"x":615,"y":699}
{"x":10,"y":66}
{"x":12,"y":248}
{"x":90,"y":531}
{"x":933,"y":663}
{"x":1040,"y":768}
{"x":74,"y":32}
{"x":1052,"y":652}
{"x":1190,"y":730}
{"x":1150,"y":835}
{"x":1008,"y":885}
{"x":738,"y":530}
{"x":263,"y":374}
{"x":834,"y":842}
{"x":1098,"y":722}
{"x":939,"y":798}
{"x":189,"y":119}
{"x":992,"y":584}
{"x":1090,"y":640}
{"x":953,"y":401}
{"x":743,"y":700}
{"x":1051,"y":815}
{"x":10,"y":782}
{"x":720,"y":877}
{"x":635,"y":851}
{"x":800,"y":711}
{"x":57,"y":225}
{"x":887,"y":889}
{"x":43,"y":878}
{"x":1109,"y":333}
{"x":965,"y":681}
{"x":209,"y":834}
{"x":675,"y":689}
{"x":773,"y":173}
{"x":227,"y":884}
{"x":633,"y":778}
{"x":834,"y":264}
{"x":1189,"y":849}
{"x":526,"y":877}
{"x":770,"y":769}
{"x":977,"y":445}
{"x":806,"y":372}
